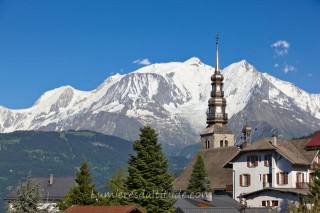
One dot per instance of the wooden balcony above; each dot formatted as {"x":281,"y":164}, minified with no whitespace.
{"x":302,"y":185}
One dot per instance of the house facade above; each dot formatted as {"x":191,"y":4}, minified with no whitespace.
{"x":272,"y":172}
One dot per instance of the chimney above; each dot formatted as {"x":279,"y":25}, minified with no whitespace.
{"x":274,"y":140}
{"x":50,"y":180}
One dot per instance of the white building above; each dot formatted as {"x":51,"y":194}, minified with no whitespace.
{"x":272,"y":172}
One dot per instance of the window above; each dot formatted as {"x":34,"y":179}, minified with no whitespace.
{"x":268,"y":202}
{"x":267,"y":160}
{"x":252,"y":161}
{"x":225,"y":143}
{"x":221,"y":143}
{"x":245,"y":180}
{"x":275,"y":203}
{"x":300,"y":177}
{"x":282,"y":178}
{"x":267,"y":178}
{"x":207,"y":144}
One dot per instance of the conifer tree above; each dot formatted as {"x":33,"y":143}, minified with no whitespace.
{"x":199,"y":181}
{"x":29,"y":198}
{"x":149,"y":181}
{"x":314,"y":191}
{"x":82,"y":194}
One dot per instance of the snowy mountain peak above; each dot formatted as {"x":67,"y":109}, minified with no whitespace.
{"x":193,"y":61}
{"x":241,"y":66}
{"x":173,"y":98}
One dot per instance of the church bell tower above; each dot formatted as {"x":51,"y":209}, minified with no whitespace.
{"x":217,"y":133}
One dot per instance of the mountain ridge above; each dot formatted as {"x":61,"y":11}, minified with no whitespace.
{"x":172,"y":97}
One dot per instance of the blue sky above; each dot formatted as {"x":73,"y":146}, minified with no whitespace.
{"x":52,"y":43}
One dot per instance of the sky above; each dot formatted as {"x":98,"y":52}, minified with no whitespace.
{"x":53,"y":43}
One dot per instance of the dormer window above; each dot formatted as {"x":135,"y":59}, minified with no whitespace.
{"x":252,"y":161}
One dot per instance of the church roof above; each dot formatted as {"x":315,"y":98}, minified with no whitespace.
{"x":214,"y":159}
{"x":292,"y":150}
{"x":216,"y":128}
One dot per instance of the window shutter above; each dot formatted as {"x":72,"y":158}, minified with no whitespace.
{"x":240,"y":180}
{"x":248,"y":161}
{"x":256,"y":162}
{"x":265,"y":160}
{"x":264,"y":178}
{"x":302,"y":177}
{"x":297,"y":177}
{"x":278,"y":178}
{"x":249,"y":180}
{"x":286,"y":178}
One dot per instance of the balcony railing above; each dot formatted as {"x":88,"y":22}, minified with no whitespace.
{"x":302,"y":185}
{"x":212,"y":116}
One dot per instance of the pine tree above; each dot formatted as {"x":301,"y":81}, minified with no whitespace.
{"x":29,"y":198}
{"x":148,"y":174}
{"x":82,"y":194}
{"x":314,"y":191}
{"x":199,"y":181}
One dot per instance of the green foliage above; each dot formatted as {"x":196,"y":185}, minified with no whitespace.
{"x":148,"y":174}
{"x":118,"y":187}
{"x":199,"y":181}
{"x":82,"y":194}
{"x":29,"y":198}
{"x":59,"y":152}
{"x":314,"y":191}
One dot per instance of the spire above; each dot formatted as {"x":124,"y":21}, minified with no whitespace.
{"x":217,"y":55}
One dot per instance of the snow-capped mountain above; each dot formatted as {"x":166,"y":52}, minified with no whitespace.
{"x":172,"y":97}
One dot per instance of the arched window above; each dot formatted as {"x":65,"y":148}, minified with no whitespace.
{"x":221,"y":143}
{"x":207,"y":144}
{"x":225,"y":143}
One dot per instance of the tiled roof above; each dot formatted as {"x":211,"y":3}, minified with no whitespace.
{"x":282,"y":190}
{"x":214,"y":159}
{"x":292,"y":150}
{"x":103,"y":209}
{"x":56,"y":191}
{"x":315,"y":141}
{"x":206,"y":210}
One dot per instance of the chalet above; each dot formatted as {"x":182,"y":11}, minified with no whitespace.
{"x":272,"y":172}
